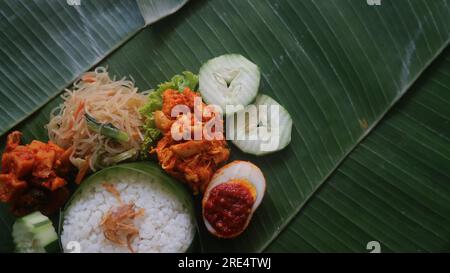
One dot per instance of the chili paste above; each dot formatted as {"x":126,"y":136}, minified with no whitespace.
{"x":229,"y":206}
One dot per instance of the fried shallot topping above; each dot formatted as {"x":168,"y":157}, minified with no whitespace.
{"x":113,"y":190}
{"x":118,"y":223}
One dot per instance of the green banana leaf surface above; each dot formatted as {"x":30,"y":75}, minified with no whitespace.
{"x":367,"y":87}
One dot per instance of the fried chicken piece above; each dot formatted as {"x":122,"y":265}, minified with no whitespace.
{"x":10,"y":187}
{"x":19,"y":161}
{"x":172,"y":98}
{"x":31,"y":175}
{"x":191,"y":161}
{"x":13,"y":140}
{"x":163,"y":123}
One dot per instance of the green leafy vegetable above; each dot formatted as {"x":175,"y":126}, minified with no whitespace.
{"x":101,"y":160}
{"x":106,"y":129}
{"x":178,"y":82}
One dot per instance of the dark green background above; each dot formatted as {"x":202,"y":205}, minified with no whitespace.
{"x":370,"y":155}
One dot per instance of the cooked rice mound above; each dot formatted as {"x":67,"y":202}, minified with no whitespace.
{"x":165,"y":226}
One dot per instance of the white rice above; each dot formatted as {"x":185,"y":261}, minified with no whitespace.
{"x":166,"y":225}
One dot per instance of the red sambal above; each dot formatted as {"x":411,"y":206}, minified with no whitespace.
{"x":229,"y":206}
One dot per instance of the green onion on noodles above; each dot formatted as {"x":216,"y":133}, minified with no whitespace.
{"x":99,"y":119}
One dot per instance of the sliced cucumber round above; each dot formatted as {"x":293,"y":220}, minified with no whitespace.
{"x":35,"y":233}
{"x":263,"y":127}
{"x":229,"y":79}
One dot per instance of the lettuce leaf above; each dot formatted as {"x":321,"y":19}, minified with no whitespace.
{"x":178,"y":82}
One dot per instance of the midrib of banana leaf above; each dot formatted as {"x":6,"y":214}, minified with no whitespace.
{"x":337,"y":66}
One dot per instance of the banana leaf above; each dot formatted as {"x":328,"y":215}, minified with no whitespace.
{"x":393,"y":189}
{"x":369,"y":157}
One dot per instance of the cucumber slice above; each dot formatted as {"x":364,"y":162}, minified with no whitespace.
{"x":268,"y":132}
{"x":35,"y":233}
{"x":229,"y":79}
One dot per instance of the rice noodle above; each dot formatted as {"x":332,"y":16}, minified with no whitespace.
{"x":106,"y":100}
